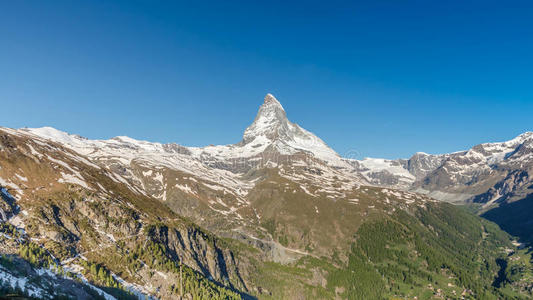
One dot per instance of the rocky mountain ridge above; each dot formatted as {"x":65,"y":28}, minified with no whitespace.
{"x":213,"y":182}
{"x":488,"y":173}
{"x":133,"y":215}
{"x":464,"y":176}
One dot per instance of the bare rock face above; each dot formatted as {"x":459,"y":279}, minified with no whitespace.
{"x":422,"y":164}
{"x":513,"y":186}
{"x":201,"y":252}
{"x":483,"y":174}
{"x":8,"y":205}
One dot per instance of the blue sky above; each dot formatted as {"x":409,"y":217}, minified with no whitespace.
{"x":378,"y":78}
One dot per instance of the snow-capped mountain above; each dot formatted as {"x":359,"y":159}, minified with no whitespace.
{"x":271,"y":133}
{"x":501,"y":169}
{"x":273,"y":141}
{"x":272,"y":129}
{"x":270,"y":141}
{"x":279,"y":196}
{"x":212,"y":183}
{"x":227,"y":189}
{"x":475,"y":171}
{"x":383,"y":172}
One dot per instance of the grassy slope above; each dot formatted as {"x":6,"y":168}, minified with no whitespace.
{"x":442,"y":250}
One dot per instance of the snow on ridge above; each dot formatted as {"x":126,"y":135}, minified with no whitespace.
{"x":22,"y":282}
{"x":74,"y":179}
{"x":380,"y":164}
{"x":52,"y":134}
{"x":185,"y":188}
{"x":22,"y":178}
{"x":271,"y":130}
{"x":6,"y":183}
{"x":270,"y":121}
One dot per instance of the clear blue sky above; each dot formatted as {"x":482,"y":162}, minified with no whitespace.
{"x":383,"y":78}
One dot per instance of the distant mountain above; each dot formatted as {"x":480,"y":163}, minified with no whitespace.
{"x":488,"y":173}
{"x":278,"y":215}
{"x":490,"y":177}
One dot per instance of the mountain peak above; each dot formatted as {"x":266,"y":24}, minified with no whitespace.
{"x":271,"y":108}
{"x":526,"y":135}
{"x":271,"y":127}
{"x":270,"y":99}
{"x":270,"y":118}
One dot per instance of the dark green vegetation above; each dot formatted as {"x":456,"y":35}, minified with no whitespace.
{"x":36,"y":256}
{"x":518,"y":273}
{"x":437,"y":250}
{"x":448,"y":249}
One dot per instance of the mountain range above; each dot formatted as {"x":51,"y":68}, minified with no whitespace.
{"x":279,"y":215}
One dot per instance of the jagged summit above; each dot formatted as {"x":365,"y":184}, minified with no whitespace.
{"x":271,"y":119}
{"x":271,"y":127}
{"x":270,"y":131}
{"x":522,"y":138}
{"x":269,"y":98}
